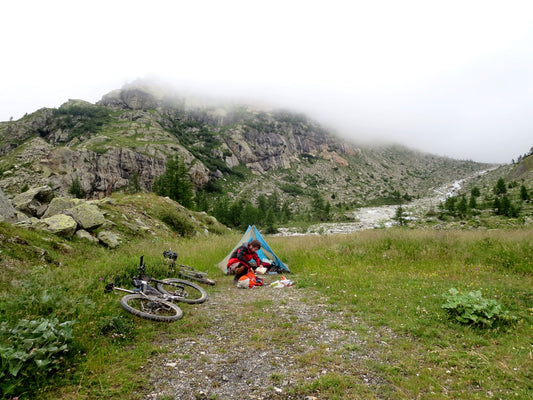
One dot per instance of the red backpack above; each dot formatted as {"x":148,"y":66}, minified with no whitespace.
{"x":249,"y":280}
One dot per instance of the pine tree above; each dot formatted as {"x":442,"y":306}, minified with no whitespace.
{"x":175,"y":182}
{"x":472,"y":203}
{"x":475,"y":192}
{"x":524,"y":195}
{"x":76,"y":189}
{"x":500,"y":187}
{"x":399,"y":216}
{"x":462,"y":207}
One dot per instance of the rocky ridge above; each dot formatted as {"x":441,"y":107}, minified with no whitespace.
{"x":124,"y":140}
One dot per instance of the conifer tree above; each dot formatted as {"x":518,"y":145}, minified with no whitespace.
{"x":500,"y":187}
{"x":524,"y":195}
{"x":399,"y":216}
{"x":175,"y":182}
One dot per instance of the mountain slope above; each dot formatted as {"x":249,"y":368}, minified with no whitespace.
{"x":125,"y":139}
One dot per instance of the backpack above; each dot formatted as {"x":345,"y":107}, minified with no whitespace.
{"x":249,"y":280}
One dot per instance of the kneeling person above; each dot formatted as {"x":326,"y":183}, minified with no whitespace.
{"x":244,"y":259}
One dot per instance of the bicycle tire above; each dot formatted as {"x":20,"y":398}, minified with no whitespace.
{"x":151,"y":308}
{"x":186,"y":291}
{"x":195,"y":277}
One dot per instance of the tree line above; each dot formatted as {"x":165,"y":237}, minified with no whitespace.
{"x":501,"y":202}
{"x":265,"y":211}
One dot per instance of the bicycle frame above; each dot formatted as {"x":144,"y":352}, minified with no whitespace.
{"x":142,"y":282}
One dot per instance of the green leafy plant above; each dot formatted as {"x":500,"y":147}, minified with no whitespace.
{"x":31,"y":350}
{"x":473,"y":309}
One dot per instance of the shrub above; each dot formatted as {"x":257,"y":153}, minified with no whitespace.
{"x":178,"y":222}
{"x":473,"y":309}
{"x":76,"y":190}
{"x":30,"y":351}
{"x":292,"y":189}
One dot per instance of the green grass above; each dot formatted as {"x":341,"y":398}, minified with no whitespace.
{"x":395,"y":281}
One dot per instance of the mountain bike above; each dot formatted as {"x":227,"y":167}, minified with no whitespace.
{"x":145,"y":301}
{"x":186,"y":271}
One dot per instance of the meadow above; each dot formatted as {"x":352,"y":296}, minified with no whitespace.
{"x":395,"y":280}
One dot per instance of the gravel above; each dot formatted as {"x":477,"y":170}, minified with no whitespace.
{"x":265,"y":343}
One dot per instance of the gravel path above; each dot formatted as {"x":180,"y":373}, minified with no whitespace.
{"x":278,"y":340}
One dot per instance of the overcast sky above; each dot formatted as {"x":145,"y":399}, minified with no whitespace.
{"x":449,"y":77}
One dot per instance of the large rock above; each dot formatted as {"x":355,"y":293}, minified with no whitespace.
{"x":88,"y":216}
{"x":7,"y":211}
{"x":60,"y":224}
{"x":59,"y":205}
{"x":83,"y":234}
{"x":34,"y":202}
{"x":108,"y":238}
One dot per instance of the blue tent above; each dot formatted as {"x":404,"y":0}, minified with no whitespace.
{"x":264,"y":253}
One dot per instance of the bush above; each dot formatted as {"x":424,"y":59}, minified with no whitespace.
{"x":30,"y":351}
{"x":178,"y":222}
{"x":76,"y":190}
{"x":473,"y":309}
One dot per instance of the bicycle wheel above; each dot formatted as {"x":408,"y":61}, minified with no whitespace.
{"x":151,"y":308}
{"x":187,"y":292}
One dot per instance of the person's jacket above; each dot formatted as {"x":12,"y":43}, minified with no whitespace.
{"x":244,"y":255}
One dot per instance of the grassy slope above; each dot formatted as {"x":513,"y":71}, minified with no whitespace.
{"x":394,"y":280}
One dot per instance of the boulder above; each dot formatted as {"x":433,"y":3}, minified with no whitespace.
{"x":60,"y":224}
{"x":83,"y":234}
{"x":28,"y":223}
{"x":59,"y":205}
{"x":108,"y":238}
{"x":88,"y":216}
{"x":33,"y":201}
{"x":7,"y":211}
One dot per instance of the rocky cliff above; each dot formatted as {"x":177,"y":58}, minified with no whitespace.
{"x":125,"y":139}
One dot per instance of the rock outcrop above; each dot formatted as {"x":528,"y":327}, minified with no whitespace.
{"x":7,"y":211}
{"x":34,"y":201}
{"x":63,"y":216}
{"x":59,"y":224}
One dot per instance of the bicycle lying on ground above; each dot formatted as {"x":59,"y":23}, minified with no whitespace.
{"x":157,"y":304}
{"x":185,"y":271}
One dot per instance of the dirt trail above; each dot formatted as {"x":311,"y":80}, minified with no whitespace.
{"x":263,"y":348}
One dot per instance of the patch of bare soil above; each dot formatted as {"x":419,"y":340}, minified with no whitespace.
{"x":266,"y":343}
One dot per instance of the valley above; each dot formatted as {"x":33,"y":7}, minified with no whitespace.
{"x":382,"y":216}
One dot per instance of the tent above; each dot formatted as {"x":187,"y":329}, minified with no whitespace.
{"x":264,"y":253}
